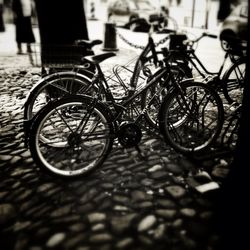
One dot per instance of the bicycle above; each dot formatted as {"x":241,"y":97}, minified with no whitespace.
{"x":79,"y":130}
{"x":181,"y":51}
{"x":74,"y":82}
{"x":229,"y":81}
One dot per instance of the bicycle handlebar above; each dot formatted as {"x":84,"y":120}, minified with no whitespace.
{"x":192,"y":42}
{"x":209,"y":35}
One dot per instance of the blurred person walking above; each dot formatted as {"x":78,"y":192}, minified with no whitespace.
{"x":2,"y":27}
{"x":22,"y":10}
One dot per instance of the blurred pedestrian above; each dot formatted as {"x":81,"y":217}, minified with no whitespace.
{"x":2,"y":27}
{"x":22,"y":10}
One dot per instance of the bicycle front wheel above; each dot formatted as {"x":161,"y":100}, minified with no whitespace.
{"x":153,"y":96}
{"x":71,"y":137}
{"x":191,"y":119}
{"x":233,"y":81}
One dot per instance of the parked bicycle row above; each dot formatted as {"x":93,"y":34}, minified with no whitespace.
{"x":72,"y":118}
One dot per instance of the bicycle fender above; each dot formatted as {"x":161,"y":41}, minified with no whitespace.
{"x":36,"y":88}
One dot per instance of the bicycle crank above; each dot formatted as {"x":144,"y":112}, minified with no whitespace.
{"x":129,"y":135}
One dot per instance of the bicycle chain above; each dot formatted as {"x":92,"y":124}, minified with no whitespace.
{"x":162,"y":41}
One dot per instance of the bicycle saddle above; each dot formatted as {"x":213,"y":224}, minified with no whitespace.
{"x":88,"y":44}
{"x":96,"y":59}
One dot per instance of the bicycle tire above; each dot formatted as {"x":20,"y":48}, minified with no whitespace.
{"x":63,"y":83}
{"x":81,"y":126}
{"x":233,"y":81}
{"x":151,"y":114}
{"x":204,"y":116}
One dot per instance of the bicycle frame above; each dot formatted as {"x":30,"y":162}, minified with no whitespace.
{"x":140,"y":62}
{"x":130,"y":97}
{"x":190,"y":56}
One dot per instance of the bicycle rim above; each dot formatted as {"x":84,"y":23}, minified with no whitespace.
{"x":234,"y":81}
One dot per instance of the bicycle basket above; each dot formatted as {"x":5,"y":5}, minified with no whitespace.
{"x":63,"y":54}
{"x":58,"y":55}
{"x":176,"y":42}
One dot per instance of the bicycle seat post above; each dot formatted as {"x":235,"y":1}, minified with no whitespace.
{"x":151,"y":29}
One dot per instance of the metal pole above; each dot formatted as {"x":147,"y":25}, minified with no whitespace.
{"x":207,"y":13}
{"x":193,"y":11}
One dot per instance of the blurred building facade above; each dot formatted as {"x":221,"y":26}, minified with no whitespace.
{"x":191,"y":13}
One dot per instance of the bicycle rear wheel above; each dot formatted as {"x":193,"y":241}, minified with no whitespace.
{"x":155,"y":94}
{"x":191,"y":122}
{"x":71,"y":136}
{"x":53,"y":87}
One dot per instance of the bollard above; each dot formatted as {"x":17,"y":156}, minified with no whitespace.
{"x":92,"y":11}
{"x":110,"y":37}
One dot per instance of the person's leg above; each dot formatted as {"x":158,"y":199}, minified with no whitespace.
{"x":19,"y":48}
{"x":29,"y":50}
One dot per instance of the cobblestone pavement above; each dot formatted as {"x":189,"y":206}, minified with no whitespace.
{"x":128,"y":203}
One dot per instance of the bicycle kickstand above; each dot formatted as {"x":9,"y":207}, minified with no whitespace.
{"x":141,"y":155}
